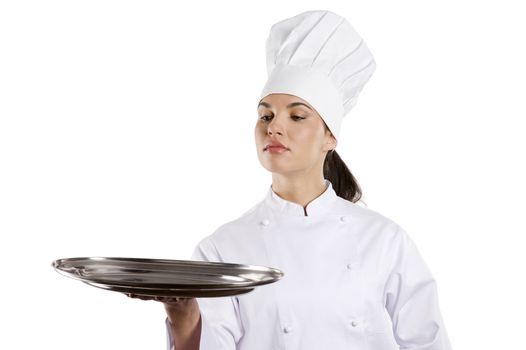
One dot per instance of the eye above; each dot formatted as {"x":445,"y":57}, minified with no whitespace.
{"x":297,"y":117}
{"x":269,"y":117}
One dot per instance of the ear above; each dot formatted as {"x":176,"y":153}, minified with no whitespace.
{"x":331,"y":143}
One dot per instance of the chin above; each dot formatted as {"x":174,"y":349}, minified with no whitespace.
{"x":277,"y":168}
{"x":276,"y":164}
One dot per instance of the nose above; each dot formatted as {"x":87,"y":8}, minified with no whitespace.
{"x":274,"y":128}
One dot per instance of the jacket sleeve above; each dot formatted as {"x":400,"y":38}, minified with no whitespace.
{"x":411,"y":299}
{"x":221,"y":326}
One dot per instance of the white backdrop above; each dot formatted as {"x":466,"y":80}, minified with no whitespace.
{"x":127,"y":130}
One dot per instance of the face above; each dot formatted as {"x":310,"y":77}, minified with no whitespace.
{"x":290,"y":135}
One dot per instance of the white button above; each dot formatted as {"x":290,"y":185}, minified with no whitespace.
{"x":287,"y":329}
{"x":349,"y":266}
{"x":265,"y":222}
{"x":343,"y":218}
{"x":354,"y":323}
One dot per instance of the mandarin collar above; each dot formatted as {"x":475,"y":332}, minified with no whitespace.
{"x":317,"y":206}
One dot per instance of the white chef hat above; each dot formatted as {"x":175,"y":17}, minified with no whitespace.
{"x":318,"y":56}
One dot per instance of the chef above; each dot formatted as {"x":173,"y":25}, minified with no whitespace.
{"x":353,"y":278}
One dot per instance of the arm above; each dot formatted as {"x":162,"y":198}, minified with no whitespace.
{"x":411,"y":299}
{"x":219,"y":325}
{"x":183,"y":324}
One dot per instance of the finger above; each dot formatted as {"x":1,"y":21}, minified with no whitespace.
{"x":172,"y":300}
{"x":167,"y":299}
{"x":139,"y":296}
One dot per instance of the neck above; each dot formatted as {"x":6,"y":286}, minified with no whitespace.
{"x":300,"y":190}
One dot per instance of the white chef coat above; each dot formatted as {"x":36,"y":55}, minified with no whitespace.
{"x":353,"y":279}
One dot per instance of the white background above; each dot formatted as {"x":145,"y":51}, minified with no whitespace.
{"x":127,"y":130}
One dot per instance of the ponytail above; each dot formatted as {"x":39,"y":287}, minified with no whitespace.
{"x":343,"y":182}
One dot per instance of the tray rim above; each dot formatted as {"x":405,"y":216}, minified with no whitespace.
{"x":59,"y":266}
{"x":205,"y":293}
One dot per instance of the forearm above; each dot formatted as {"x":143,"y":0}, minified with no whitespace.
{"x":185,"y":337}
{"x":184,"y":321}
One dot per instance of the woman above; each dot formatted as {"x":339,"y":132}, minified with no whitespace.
{"x":353,"y":279}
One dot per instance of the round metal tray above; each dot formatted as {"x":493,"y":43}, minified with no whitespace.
{"x":163,"y":277}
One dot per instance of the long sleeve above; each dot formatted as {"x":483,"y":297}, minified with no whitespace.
{"x":221,"y":326}
{"x":411,"y":299}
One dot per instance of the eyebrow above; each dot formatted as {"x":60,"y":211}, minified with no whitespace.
{"x":290,"y":105}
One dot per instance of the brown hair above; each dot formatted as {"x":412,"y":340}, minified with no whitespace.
{"x":343,"y":182}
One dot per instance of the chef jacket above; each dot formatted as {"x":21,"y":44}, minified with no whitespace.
{"x":353,"y":279}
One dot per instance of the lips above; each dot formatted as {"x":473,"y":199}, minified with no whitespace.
{"x":275,"y":146}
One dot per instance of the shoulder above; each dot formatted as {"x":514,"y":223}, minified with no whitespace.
{"x":370,"y":222}
{"x":236,"y":228}
{"x":360,"y":213}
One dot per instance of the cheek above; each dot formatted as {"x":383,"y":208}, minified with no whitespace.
{"x":259,"y":135}
{"x":308,"y":139}
{"x":258,"y":132}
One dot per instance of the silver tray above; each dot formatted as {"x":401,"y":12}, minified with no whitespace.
{"x":162,"y":277}
{"x":157,"y":292}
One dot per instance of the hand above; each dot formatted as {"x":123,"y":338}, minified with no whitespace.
{"x":184,"y":317}
{"x":178,"y":309}
{"x":164,"y":300}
